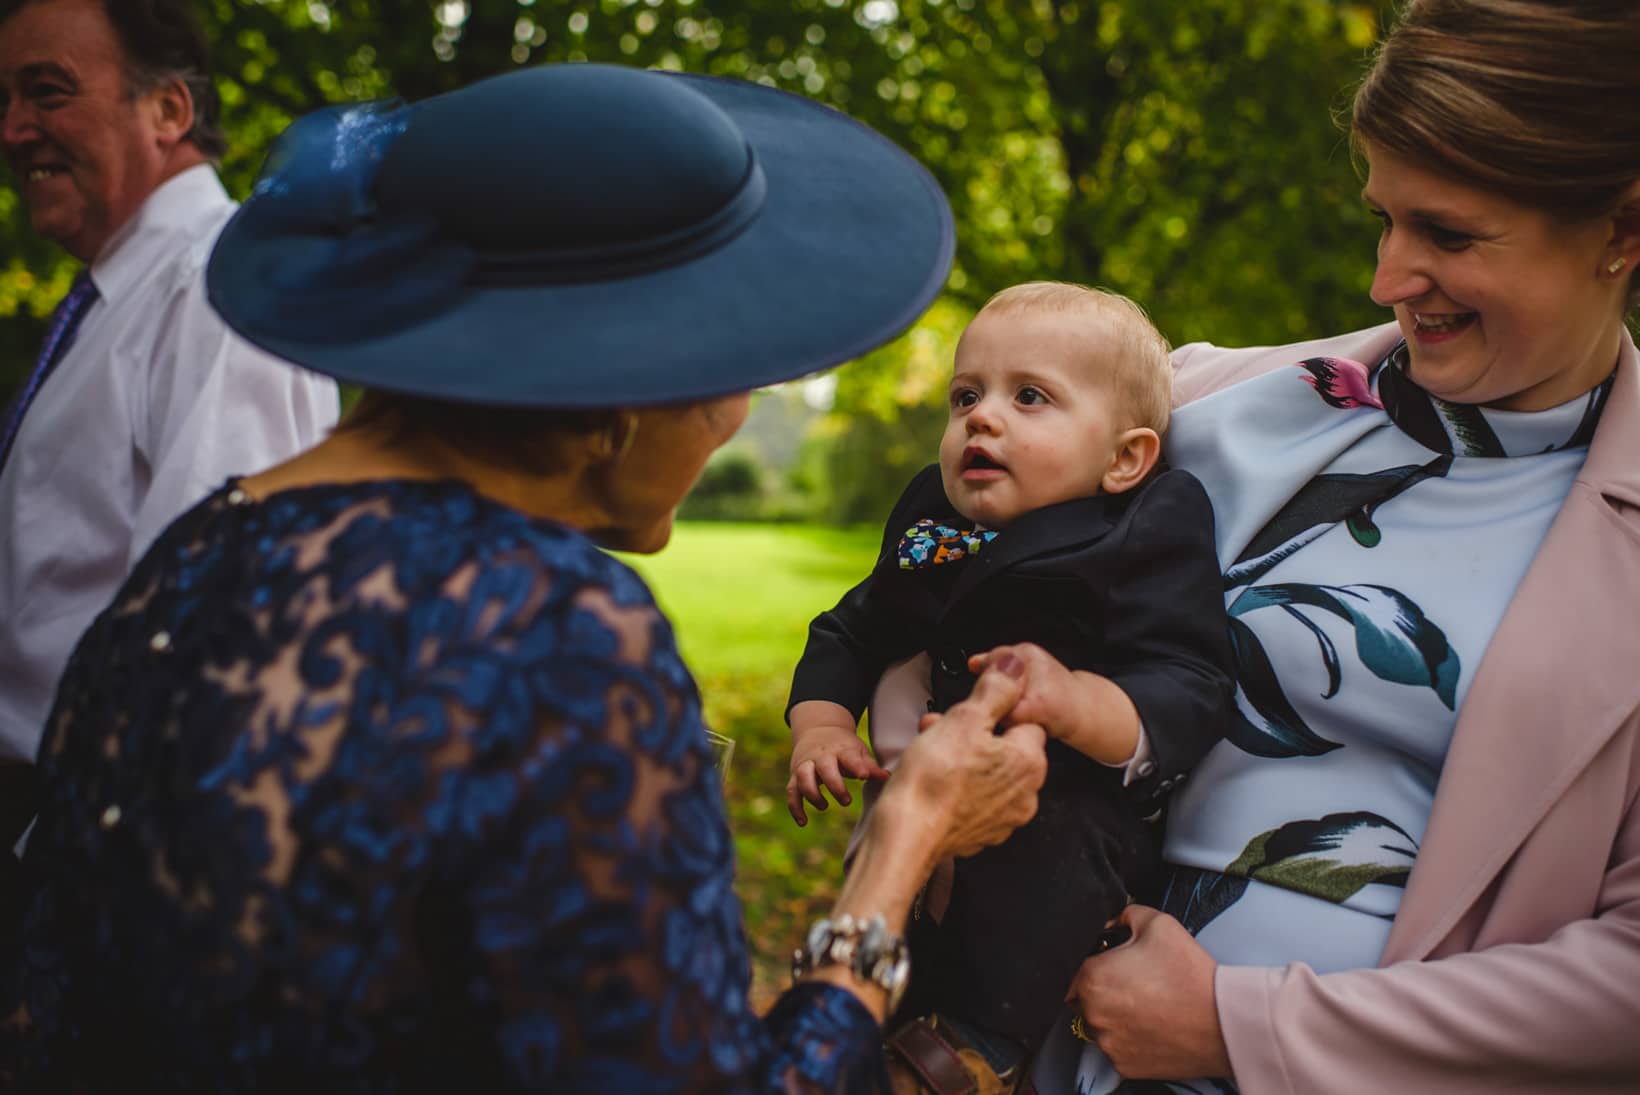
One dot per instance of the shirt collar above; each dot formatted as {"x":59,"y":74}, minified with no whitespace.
{"x":1463,"y":429}
{"x":174,"y":209}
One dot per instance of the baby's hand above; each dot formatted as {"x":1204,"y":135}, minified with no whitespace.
{"x":1086,"y":711}
{"x":1051,"y":698}
{"x":824,"y":754}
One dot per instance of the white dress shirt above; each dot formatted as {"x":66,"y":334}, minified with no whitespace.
{"x":154,"y":403}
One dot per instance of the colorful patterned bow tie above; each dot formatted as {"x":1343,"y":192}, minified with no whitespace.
{"x":930,"y":543}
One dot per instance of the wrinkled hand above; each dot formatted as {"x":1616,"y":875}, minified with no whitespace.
{"x":978,"y":786}
{"x":1087,"y":711}
{"x":1050,"y":697}
{"x":824,"y":757}
{"x":1149,"y":1002}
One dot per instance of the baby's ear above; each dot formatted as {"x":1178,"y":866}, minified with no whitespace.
{"x":1137,"y":451}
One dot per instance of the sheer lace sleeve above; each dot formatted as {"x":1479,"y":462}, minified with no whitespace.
{"x":608,"y":937}
{"x":388,"y":788}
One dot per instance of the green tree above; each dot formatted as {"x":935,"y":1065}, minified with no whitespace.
{"x":730,"y":488}
{"x":1177,"y":150}
{"x":1182,"y":153}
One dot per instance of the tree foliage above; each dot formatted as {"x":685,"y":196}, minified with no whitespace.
{"x":1180,"y":151}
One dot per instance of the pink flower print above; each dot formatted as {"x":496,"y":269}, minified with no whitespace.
{"x":1342,"y":383}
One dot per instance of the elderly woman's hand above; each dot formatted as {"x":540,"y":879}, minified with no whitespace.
{"x":977,"y":786}
{"x":1090,"y":713}
{"x":1149,"y":1002}
{"x":959,"y":787}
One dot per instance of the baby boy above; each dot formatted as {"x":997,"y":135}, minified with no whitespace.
{"x":1047,"y":522}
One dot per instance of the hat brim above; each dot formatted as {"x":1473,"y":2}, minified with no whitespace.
{"x":854,"y":242}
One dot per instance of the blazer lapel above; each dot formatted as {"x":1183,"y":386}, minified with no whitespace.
{"x":1050,"y":529}
{"x":1557,"y":680}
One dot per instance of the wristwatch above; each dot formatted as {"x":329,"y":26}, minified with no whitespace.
{"x":866,"y":947}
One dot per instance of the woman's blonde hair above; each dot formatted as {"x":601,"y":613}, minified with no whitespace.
{"x":1536,"y":100}
{"x":1131,"y":352}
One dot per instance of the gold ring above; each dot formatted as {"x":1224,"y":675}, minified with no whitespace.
{"x":1077,"y":1030}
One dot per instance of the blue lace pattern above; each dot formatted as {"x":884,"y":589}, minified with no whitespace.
{"x":384,"y":787}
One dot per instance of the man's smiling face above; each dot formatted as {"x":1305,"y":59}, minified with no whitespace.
{"x":82,"y":148}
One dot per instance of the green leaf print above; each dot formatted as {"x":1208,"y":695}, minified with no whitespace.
{"x":1331,"y":857}
{"x":1471,"y":429}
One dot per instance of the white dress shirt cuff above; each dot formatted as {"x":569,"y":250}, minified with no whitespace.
{"x":1140,"y":764}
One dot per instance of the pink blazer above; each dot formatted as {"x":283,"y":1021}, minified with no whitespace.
{"x":1514,"y":962}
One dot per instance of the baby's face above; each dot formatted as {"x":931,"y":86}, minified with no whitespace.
{"x":1032,"y":422}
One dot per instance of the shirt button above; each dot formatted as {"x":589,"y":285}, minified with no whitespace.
{"x":1146,"y":768}
{"x":161,"y":642}
{"x":110,"y":817}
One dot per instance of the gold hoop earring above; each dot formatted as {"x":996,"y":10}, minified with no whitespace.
{"x":1616,"y":266}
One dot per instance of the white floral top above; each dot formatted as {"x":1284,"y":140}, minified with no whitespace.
{"x":1372,"y":537}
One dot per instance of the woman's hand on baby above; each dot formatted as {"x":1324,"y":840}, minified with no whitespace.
{"x":1086,"y":711}
{"x":826,"y":752}
{"x":1149,"y":1003}
{"x":965,"y":785}
{"x":1050,"y":696}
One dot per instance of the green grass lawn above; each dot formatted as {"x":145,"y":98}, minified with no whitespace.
{"x":740,"y":598}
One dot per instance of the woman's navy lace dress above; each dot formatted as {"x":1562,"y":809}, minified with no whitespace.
{"x":384,"y":787}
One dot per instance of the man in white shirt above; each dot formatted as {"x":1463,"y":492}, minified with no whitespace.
{"x":148,"y":402}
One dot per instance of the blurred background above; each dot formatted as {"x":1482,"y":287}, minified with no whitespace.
{"x":1183,"y":152}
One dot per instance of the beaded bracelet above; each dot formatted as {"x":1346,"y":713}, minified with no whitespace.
{"x":866,"y":947}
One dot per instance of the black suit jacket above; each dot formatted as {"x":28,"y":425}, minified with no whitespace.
{"x":1124,"y":585}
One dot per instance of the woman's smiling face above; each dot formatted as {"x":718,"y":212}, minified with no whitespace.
{"x":1501,"y":304}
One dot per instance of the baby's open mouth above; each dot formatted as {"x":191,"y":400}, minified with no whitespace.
{"x":978,"y":460}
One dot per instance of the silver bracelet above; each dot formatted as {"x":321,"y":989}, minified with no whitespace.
{"x":865,"y":947}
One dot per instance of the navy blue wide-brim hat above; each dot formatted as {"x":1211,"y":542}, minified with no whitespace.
{"x":582,"y":236}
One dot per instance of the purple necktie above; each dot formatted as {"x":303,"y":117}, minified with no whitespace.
{"x":59,"y":335}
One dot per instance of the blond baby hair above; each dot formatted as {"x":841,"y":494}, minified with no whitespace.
{"x":1131,"y":351}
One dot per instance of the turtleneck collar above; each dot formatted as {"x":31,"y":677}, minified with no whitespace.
{"x":1465,"y":429}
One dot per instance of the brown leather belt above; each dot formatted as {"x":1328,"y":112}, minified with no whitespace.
{"x":925,"y":1048}
{"x":929,"y":1055}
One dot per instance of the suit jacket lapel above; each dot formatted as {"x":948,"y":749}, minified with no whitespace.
{"x":1546,"y":697}
{"x":1050,"y":529}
